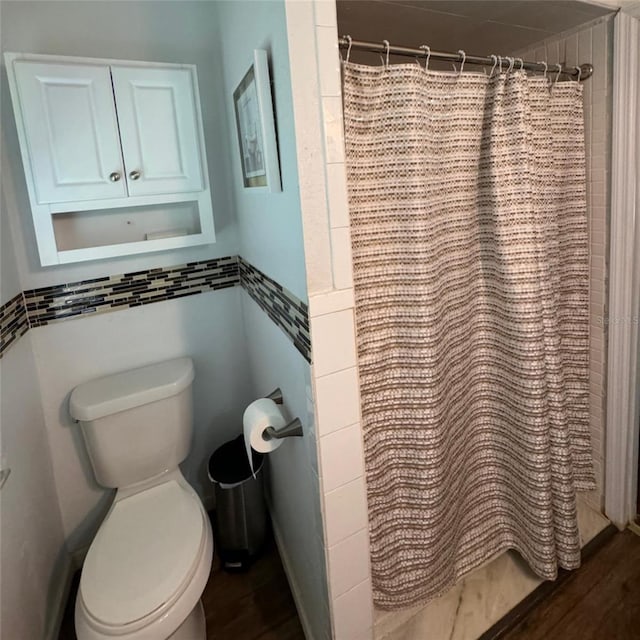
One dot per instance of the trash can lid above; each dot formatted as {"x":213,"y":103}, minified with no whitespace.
{"x":229,"y":463}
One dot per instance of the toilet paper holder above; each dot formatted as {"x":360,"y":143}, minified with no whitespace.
{"x":293,"y":428}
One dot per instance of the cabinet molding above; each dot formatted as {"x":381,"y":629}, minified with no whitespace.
{"x":102,"y":134}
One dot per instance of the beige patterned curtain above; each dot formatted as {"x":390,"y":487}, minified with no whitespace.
{"x":470,"y":250}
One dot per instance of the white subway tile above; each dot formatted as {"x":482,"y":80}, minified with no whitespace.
{"x":571,"y":50}
{"x":584,"y":46}
{"x":341,"y":258}
{"x":338,"y":400}
{"x":345,"y":511}
{"x":325,"y":13}
{"x":333,"y":339}
{"x":341,"y":457}
{"x":599,"y":114}
{"x":349,"y":563}
{"x":599,"y":134}
{"x":599,"y":56}
{"x":333,"y":131}
{"x":597,"y":238}
{"x":324,"y":303}
{"x":353,"y":612}
{"x":328,"y":61}
{"x":337,"y":195}
{"x":597,"y":250}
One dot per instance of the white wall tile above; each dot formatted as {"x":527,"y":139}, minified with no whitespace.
{"x":349,"y":563}
{"x":599,"y":60}
{"x":333,"y":132}
{"x":353,"y":613}
{"x":325,"y":13}
{"x":345,"y":511}
{"x":584,"y":46}
{"x":333,"y":337}
{"x":338,"y":400}
{"x":328,"y":61}
{"x":331,"y":302}
{"x":341,"y":258}
{"x":341,"y":457}
{"x":571,"y":50}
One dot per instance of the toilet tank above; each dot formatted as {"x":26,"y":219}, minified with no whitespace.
{"x":137,"y":423}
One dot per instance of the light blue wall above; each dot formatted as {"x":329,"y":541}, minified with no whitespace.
{"x":270,"y":235}
{"x":207,"y":326}
{"x":32,"y":549}
{"x":269,"y":224}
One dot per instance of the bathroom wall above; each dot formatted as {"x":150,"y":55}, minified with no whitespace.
{"x":205,"y":326}
{"x":312,"y":30}
{"x":271,"y":239}
{"x":593,"y":43}
{"x":32,"y":557}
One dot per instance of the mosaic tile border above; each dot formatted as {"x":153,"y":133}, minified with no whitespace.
{"x":14,"y":322}
{"x":283,"y":308}
{"x":39,"y":307}
{"x":111,"y":293}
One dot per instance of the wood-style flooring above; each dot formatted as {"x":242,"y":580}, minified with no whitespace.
{"x":599,"y":601}
{"x":256,"y":605}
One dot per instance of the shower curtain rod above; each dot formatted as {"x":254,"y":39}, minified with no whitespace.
{"x":582,"y":72}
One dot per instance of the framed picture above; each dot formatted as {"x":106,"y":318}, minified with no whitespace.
{"x":256,"y":129}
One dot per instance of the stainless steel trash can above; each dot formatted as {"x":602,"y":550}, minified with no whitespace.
{"x":240,"y":522}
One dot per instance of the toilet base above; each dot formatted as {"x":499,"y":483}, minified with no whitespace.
{"x":193,"y":628}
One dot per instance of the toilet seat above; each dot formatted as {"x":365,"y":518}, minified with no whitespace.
{"x":144,"y":557}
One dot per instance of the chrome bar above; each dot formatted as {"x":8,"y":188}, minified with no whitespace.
{"x":276,"y":396}
{"x":582,"y":72}
{"x":294,"y":428}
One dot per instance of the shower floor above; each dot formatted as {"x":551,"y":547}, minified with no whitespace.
{"x":478,"y":601}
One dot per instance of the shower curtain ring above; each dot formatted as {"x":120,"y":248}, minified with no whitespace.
{"x":427,"y":49}
{"x":521,"y":61}
{"x":388,"y":46}
{"x":512,"y":61}
{"x":494,"y":57}
{"x":546,"y":67}
{"x":463,"y":55}
{"x":349,"y":39}
{"x":579,"y":70}
{"x":559,"y":67}
{"x":500,"y":63}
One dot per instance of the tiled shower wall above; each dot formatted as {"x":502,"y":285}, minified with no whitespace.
{"x":323,"y":195}
{"x":592,"y":43}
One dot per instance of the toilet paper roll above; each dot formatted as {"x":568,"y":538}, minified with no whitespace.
{"x":259,"y":415}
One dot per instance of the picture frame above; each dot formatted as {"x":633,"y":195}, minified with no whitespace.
{"x":256,"y":127}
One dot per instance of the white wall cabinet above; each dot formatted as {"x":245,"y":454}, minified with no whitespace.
{"x":98,"y":136}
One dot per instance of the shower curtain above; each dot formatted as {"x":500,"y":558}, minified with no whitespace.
{"x":471,"y":275}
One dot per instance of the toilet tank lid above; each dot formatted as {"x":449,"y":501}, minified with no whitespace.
{"x":129,"y":389}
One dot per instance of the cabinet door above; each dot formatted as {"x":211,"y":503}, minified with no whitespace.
{"x":160,"y":129}
{"x":71,"y":131}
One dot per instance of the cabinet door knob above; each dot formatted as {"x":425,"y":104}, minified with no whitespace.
{"x":134,"y":175}
{"x":114,"y":177}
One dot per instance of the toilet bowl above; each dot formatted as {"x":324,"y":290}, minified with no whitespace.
{"x":149,"y":562}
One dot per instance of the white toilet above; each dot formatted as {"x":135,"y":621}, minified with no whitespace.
{"x":150,"y":560}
